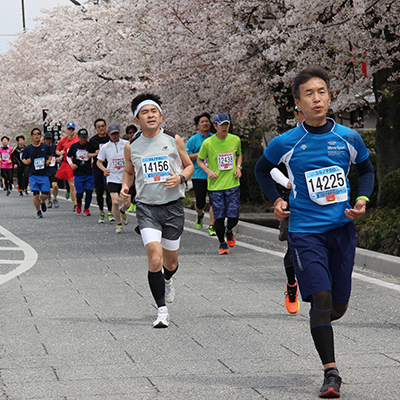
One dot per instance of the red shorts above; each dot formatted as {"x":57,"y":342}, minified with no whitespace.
{"x":65,"y":172}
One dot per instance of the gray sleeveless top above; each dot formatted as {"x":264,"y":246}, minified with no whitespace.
{"x":153,"y":159}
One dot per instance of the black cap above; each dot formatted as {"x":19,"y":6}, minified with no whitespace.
{"x":83,"y":133}
{"x":48,"y":135}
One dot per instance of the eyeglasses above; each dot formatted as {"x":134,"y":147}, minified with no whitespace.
{"x":100,"y":126}
{"x":71,"y":129}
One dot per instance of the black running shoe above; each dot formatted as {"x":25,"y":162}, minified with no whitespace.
{"x":331,"y":386}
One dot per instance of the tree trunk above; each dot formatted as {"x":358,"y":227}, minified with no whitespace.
{"x":387,"y":142}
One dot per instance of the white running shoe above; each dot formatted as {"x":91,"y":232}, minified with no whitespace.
{"x":124,"y":216}
{"x":169,"y":291}
{"x":118,"y":229}
{"x":162,"y":320}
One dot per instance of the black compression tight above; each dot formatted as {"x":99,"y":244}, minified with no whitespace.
{"x":219,"y":227}
{"x":322,"y":312}
{"x":100,"y":199}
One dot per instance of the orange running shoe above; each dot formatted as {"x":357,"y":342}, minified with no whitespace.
{"x":230,"y":239}
{"x":223,"y":248}
{"x":292,"y":303}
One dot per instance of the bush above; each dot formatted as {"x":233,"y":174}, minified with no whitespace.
{"x":250,"y":191}
{"x":391,"y":189}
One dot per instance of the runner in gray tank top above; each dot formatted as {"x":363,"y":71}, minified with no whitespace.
{"x":157,"y":161}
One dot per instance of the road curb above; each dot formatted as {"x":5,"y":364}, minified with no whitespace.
{"x":365,"y":259}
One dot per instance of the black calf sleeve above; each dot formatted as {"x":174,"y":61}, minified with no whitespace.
{"x":321,"y":328}
{"x":323,"y":340}
{"x":219,"y":227}
{"x":157,"y":287}
{"x":232,"y":222}
{"x":88,"y":198}
{"x":100,"y":199}
{"x":79,"y":197}
{"x":168,"y":274}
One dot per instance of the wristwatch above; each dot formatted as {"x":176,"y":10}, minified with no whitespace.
{"x":183,"y":179}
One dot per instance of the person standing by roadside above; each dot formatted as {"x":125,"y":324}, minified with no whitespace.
{"x":6,"y":164}
{"x":65,"y":170}
{"x":224,"y":169}
{"x":95,"y":144}
{"x":318,"y":154}
{"x":199,"y":179}
{"x":38,"y":156}
{"x":158,"y":162}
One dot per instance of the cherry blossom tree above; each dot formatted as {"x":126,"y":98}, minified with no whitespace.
{"x":236,"y":56}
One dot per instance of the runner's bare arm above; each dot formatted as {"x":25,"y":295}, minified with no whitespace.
{"x":174,"y":179}
{"x":129,"y":173}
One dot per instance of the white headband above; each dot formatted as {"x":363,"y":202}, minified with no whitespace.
{"x":146,"y":103}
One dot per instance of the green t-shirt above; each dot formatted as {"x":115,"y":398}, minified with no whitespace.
{"x":221,"y":155}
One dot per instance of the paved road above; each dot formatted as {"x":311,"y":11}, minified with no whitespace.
{"x":78,"y":323}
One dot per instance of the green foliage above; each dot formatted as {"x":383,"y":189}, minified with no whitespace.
{"x":249,"y":187}
{"x":378,"y":229}
{"x":187,"y":201}
{"x":369,"y":138}
{"x":391,"y":189}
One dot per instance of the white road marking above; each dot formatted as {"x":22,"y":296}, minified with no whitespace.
{"x":29,"y":260}
{"x":356,"y":275}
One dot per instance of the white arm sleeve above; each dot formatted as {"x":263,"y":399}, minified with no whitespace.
{"x":279,"y":177}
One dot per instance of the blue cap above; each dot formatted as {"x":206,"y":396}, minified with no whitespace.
{"x":70,"y":125}
{"x":221,"y":118}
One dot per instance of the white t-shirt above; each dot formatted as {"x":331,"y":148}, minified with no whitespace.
{"x":113,"y":152}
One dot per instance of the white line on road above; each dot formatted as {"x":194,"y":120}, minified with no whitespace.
{"x":356,"y":275}
{"x":30,"y":256}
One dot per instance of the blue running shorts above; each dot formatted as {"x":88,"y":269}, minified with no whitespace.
{"x":324,"y":261}
{"x":83,"y":182}
{"x":225,"y":202}
{"x":39,"y":183}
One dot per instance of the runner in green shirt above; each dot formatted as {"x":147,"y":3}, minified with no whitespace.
{"x":224,"y":169}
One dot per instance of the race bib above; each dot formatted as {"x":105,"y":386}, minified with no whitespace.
{"x":82,"y":155}
{"x":155,"y":169}
{"x":52,"y":162}
{"x":5,"y":156}
{"x":327,"y":185}
{"x":225,"y":161}
{"x":118,"y":164}
{"x":39,"y":163}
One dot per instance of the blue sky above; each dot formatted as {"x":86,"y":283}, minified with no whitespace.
{"x":11,"y":17}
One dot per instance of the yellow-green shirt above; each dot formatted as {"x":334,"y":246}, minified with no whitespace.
{"x":221,"y":155}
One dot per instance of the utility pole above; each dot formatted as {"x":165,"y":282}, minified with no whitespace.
{"x":23,"y":15}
